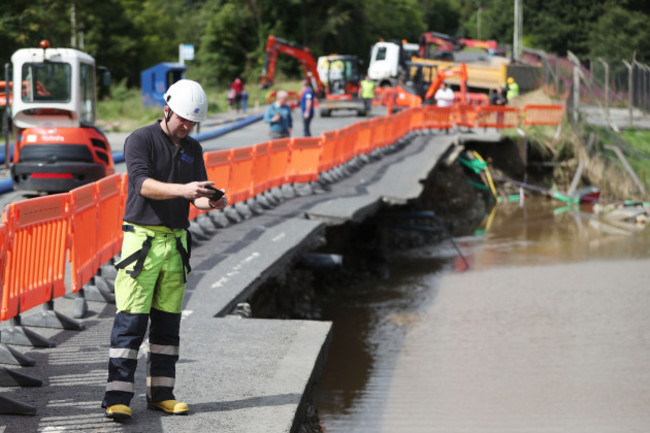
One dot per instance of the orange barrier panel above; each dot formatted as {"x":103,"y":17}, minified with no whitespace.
{"x":497,"y":117}
{"x":378,"y":136}
{"x":261,"y":161}
{"x":349,"y":138}
{"x":241,"y":175}
{"x":305,"y":154}
{"x":402,"y":127}
{"x":388,"y":127}
{"x":465,"y":115}
{"x":475,"y":99}
{"x":391,"y":125}
{"x":363,"y":142}
{"x":218,"y":165}
{"x":84,"y":231}
{"x":417,"y":118}
{"x":124,"y":194}
{"x":110,"y":213}
{"x":4,"y":237}
{"x":279,"y":157}
{"x":437,"y":117}
{"x":339,"y":146}
{"x":543,"y":115}
{"x":404,"y":124}
{"x":328,"y":151}
{"x":35,"y":256}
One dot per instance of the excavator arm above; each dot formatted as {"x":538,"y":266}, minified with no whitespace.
{"x":277,"y":45}
{"x":444,"y":74}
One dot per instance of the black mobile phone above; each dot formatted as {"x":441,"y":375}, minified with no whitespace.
{"x":216,"y":193}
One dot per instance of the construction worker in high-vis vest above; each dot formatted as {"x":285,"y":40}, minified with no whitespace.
{"x":367,"y":93}
{"x":165,"y":175}
{"x":512,"y":90}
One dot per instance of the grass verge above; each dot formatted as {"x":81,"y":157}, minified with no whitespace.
{"x":123,"y":110}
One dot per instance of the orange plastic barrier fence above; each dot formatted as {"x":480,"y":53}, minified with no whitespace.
{"x":349,"y":138}
{"x":497,"y":117}
{"x":241,"y":174}
{"x":417,"y":118}
{"x":389,"y":126}
{"x":406,"y":123}
{"x":339,"y":146}
{"x":328,"y":151}
{"x":401,"y":126}
{"x":218,"y":167}
{"x":363,"y":143}
{"x":261,"y":162}
{"x":124,"y":187}
{"x":378,"y":128}
{"x":84,"y":231}
{"x":279,"y":157}
{"x":35,"y":256}
{"x":465,"y":115}
{"x":543,"y":115}
{"x":437,"y":117}
{"x":110,"y":213}
{"x":305,"y":154}
{"x":4,"y":237}
{"x":475,"y":99}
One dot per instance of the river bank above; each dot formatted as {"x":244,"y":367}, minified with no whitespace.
{"x":390,"y":279}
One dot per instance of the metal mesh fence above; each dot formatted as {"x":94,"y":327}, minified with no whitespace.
{"x":608,"y":95}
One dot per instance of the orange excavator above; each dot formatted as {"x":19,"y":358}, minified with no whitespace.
{"x":278,"y":45}
{"x":340,"y":89}
{"x":434,"y":45}
{"x":424,"y":81}
{"x":50,"y":101}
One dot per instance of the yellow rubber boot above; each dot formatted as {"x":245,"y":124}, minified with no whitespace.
{"x":118,"y":412}
{"x":169,"y":406}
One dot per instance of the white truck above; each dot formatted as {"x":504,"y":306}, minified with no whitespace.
{"x":387,"y":61}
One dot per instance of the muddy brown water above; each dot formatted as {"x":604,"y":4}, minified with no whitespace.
{"x":547,"y":331}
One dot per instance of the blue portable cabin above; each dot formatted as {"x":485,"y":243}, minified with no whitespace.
{"x":156,"y":80}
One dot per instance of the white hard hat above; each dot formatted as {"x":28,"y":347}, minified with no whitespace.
{"x":187,"y":99}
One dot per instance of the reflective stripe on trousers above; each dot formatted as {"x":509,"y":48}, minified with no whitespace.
{"x":127,"y":336}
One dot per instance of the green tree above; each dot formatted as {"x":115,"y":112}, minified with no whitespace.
{"x":619,"y":33}
{"x":24,"y":25}
{"x":496,"y":20}
{"x":441,"y":15}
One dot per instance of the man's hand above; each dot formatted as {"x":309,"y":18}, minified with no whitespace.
{"x":219,"y":204}
{"x":194,"y":190}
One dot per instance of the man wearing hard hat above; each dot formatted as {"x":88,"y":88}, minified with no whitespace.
{"x":165,"y":173}
{"x":512,"y":88}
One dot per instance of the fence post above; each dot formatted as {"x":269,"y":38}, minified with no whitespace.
{"x":576,"y":85}
{"x":606,"y":66}
{"x":630,"y":83}
{"x":645,"y":89}
{"x":557,"y":74}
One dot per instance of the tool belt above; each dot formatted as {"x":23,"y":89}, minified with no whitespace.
{"x":141,"y":255}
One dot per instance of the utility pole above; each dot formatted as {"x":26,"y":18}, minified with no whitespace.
{"x":517,"y":35}
{"x":73,"y":26}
